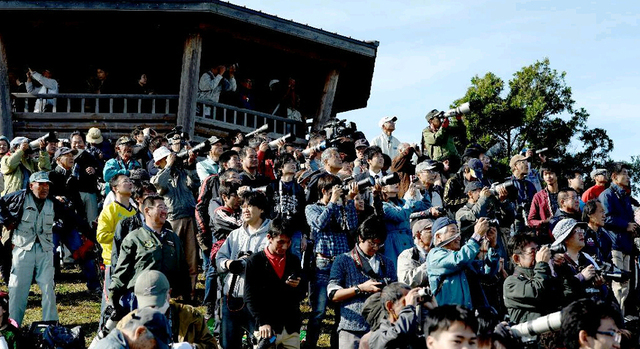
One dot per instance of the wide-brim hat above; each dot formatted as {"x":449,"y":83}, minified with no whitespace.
{"x":94,"y":135}
{"x":563,"y":230}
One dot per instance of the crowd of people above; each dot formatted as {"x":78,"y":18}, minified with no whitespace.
{"x":412,"y":246}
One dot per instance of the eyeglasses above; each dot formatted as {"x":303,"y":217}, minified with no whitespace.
{"x":617,"y":336}
{"x":375,"y":244}
{"x":531,"y":250}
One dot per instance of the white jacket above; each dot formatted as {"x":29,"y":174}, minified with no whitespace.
{"x":48,"y":86}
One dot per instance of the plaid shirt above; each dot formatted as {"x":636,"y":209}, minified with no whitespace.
{"x":326,"y":223}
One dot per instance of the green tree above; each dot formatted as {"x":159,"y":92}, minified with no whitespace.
{"x":537,"y":112}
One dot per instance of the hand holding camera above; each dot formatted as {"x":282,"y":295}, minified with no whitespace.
{"x":336,"y":194}
{"x":482,"y":227}
{"x":544,"y":254}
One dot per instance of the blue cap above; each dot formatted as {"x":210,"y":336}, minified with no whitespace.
{"x":476,"y":167}
{"x":40,"y":177}
{"x":441,"y":223}
{"x":471,"y":186}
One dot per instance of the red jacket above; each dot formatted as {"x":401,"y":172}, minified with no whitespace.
{"x":539,"y":212}
{"x":593,"y":193}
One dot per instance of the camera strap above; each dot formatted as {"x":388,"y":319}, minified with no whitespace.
{"x":362,"y":264}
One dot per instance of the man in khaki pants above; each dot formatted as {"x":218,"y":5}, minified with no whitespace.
{"x":616,"y":202}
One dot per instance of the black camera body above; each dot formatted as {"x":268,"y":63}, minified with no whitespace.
{"x":560,"y":248}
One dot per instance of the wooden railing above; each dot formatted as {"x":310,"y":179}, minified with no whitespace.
{"x":226,"y":117}
{"x":109,"y":103}
{"x":118,"y":114}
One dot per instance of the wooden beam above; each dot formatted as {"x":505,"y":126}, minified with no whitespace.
{"x":6,"y":126}
{"x":326,"y":102}
{"x":189,"y":83}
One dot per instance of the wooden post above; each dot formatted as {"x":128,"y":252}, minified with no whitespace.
{"x":189,"y":83}
{"x":326,"y":103}
{"x":6,"y":123}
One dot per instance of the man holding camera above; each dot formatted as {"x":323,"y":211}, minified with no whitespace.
{"x":355,"y":276}
{"x":48,"y":85}
{"x":210,"y":165}
{"x":212,"y":83}
{"x":177,"y":185}
{"x":230,"y":260}
{"x":330,"y":219}
{"x":272,"y":288}
{"x":437,"y":138}
{"x":528,"y":292}
{"x":447,"y":262}
{"x":400,"y":329}
{"x":525,"y":191}
{"x":18,"y":165}
{"x":388,"y":143}
{"x":616,"y":202}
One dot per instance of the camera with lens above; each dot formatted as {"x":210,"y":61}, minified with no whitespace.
{"x":427,"y":213}
{"x":200,"y":149}
{"x":560,"y":248}
{"x":238,"y":265}
{"x":362,"y":184}
{"x":35,"y":144}
{"x":612,"y":273}
{"x":507,"y":185}
{"x":424,"y":294}
{"x":336,"y":128}
{"x":273,"y":145}
{"x":389,"y":179}
{"x":463,"y":109}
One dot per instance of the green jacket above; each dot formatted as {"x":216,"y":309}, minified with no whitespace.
{"x":12,"y":171}
{"x":142,"y":250}
{"x":187,"y":325}
{"x":435,"y":145}
{"x":528,"y":293}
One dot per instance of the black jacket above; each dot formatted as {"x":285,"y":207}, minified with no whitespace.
{"x":269,"y":299}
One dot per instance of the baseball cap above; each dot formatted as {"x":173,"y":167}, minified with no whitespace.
{"x":515,"y":159}
{"x":94,"y":135}
{"x":475,"y":167}
{"x":155,"y":322}
{"x":427,"y":165}
{"x":361,"y":143}
{"x":471,"y":186}
{"x":421,"y":225}
{"x":40,"y":177}
{"x":213,"y":140}
{"x":432,"y":114}
{"x":63,"y":151}
{"x":441,"y":223}
{"x":17,"y":141}
{"x":563,"y":229}
{"x":125,"y":140}
{"x":386,"y":119}
{"x":176,"y":138}
{"x":598,"y":171}
{"x":160,"y":153}
{"x":151,"y":289}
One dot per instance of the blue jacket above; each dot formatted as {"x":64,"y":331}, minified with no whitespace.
{"x":447,"y":267}
{"x":619,"y":213}
{"x":115,"y":167}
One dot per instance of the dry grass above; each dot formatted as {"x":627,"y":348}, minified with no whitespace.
{"x":77,"y":307}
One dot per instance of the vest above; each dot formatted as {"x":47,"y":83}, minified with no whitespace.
{"x":35,"y":226}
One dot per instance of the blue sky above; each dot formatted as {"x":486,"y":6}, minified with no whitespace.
{"x":430,"y":50}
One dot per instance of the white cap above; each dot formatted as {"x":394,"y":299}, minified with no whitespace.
{"x":160,"y":154}
{"x":386,"y":119}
